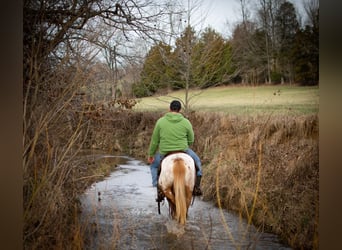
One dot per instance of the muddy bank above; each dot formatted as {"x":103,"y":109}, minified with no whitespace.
{"x":264,"y":168}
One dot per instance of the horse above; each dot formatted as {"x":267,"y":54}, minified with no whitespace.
{"x":176,"y":181}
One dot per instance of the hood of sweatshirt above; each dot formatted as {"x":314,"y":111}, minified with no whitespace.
{"x":174,"y":117}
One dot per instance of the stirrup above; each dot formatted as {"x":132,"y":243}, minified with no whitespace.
{"x":159,"y":199}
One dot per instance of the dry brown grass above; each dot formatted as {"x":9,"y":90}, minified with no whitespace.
{"x":267,"y":170}
{"x":55,"y":131}
{"x":51,"y":172}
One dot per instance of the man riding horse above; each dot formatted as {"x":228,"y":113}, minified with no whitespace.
{"x":172,"y":133}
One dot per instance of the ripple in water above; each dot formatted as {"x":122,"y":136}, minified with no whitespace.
{"x":174,"y":228}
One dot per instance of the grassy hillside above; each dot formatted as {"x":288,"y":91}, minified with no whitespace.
{"x":239,"y":100}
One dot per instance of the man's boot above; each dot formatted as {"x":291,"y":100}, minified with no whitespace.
{"x":197,"y":189}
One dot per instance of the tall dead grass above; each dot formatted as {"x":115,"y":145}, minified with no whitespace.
{"x":53,"y":135}
{"x":266,"y":169}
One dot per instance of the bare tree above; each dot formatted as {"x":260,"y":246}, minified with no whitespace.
{"x":266,"y":14}
{"x":311,"y":8}
{"x":184,"y":47}
{"x":58,"y":62}
{"x":245,"y":13}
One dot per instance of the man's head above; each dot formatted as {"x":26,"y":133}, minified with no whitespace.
{"x":175,"y":106}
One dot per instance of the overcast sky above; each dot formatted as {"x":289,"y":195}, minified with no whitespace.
{"x":214,"y":13}
{"x":222,"y":15}
{"x":221,"y":12}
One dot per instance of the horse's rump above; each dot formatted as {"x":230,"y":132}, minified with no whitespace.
{"x":176,"y":180}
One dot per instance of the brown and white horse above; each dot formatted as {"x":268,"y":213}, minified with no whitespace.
{"x":177,"y":180}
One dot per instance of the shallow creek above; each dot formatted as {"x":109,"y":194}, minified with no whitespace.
{"x":120,"y":212}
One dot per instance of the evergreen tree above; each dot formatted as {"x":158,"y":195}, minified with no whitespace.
{"x":156,"y":71}
{"x":182,"y":56}
{"x":306,"y":50}
{"x":210,"y":59}
{"x":286,"y":28}
{"x":306,"y":56}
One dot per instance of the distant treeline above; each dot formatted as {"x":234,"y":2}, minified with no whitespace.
{"x":274,"y":48}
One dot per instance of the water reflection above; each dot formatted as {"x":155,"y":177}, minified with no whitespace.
{"x":120,"y":213}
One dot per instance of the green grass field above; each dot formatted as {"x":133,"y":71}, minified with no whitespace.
{"x":242,"y":100}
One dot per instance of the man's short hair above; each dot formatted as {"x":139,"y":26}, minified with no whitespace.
{"x":175,"y":106}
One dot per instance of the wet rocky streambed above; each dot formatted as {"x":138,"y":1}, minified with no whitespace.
{"x":120,"y":212}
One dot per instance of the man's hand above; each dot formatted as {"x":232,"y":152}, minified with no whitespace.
{"x":150,"y":159}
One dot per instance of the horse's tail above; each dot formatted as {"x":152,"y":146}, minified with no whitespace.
{"x":179,"y":190}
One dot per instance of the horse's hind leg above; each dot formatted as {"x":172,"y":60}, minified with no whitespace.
{"x":188,"y":197}
{"x":168,"y":193}
{"x":171,"y":199}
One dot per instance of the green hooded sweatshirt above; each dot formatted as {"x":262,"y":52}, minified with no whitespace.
{"x":172,"y":132}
